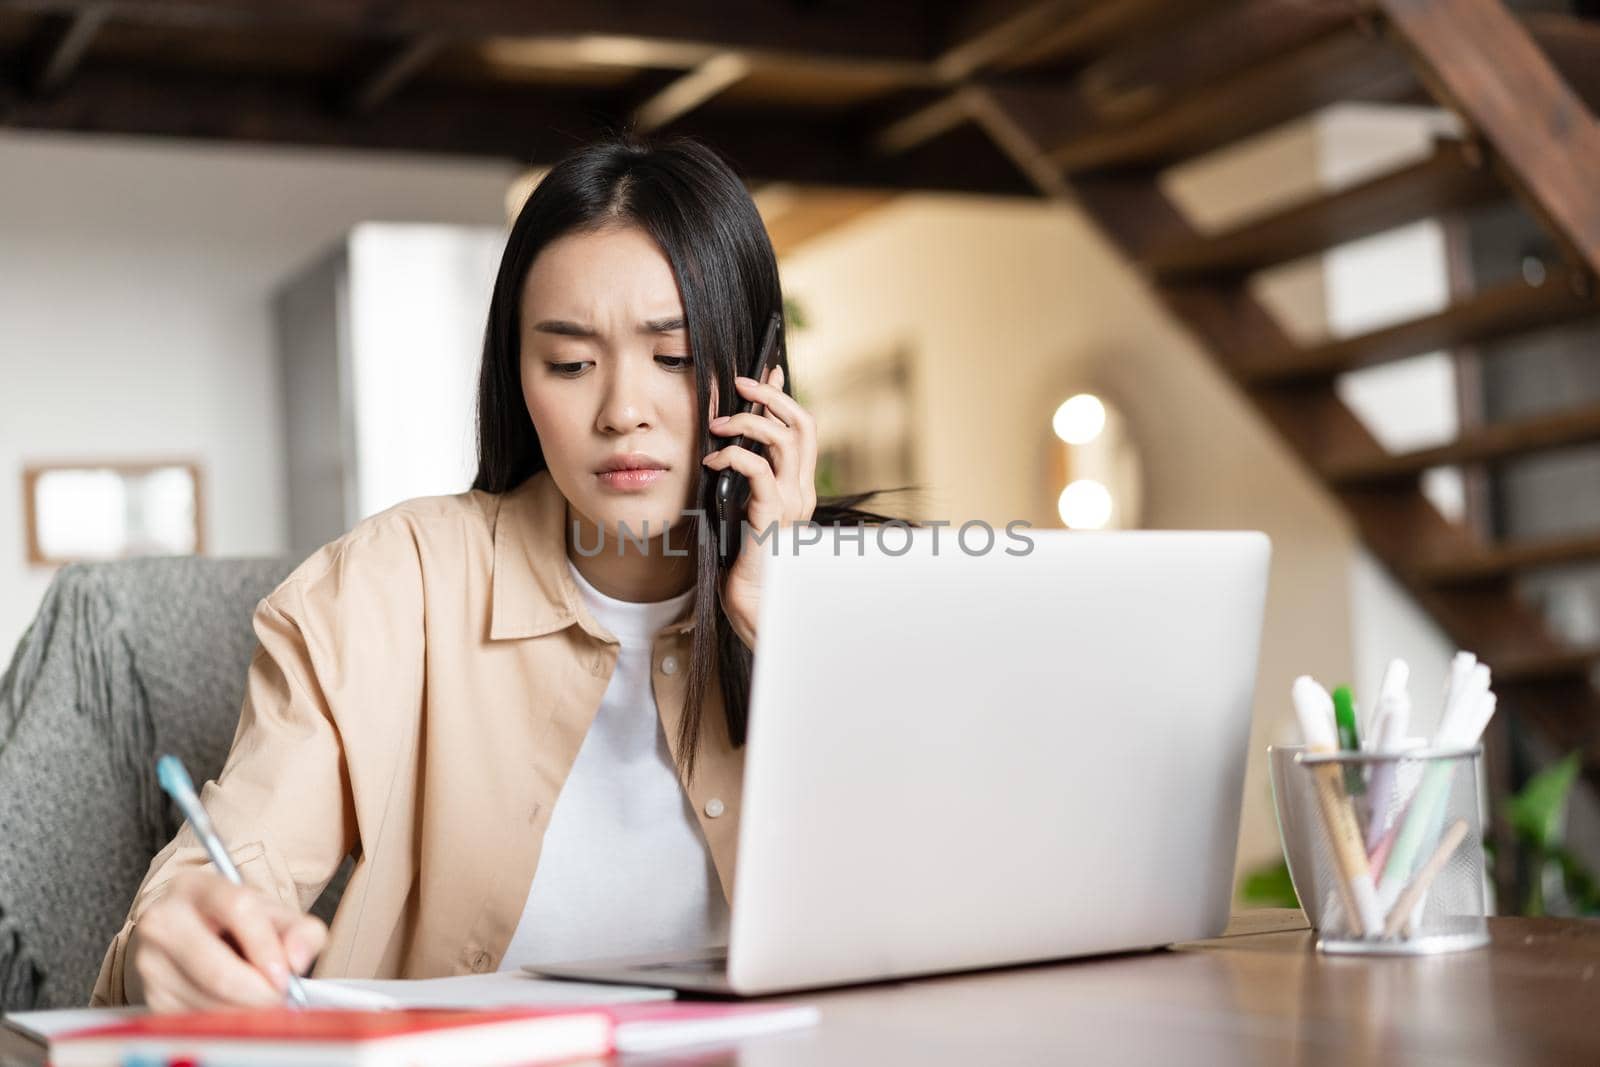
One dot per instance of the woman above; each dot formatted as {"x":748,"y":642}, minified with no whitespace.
{"x":426,"y":686}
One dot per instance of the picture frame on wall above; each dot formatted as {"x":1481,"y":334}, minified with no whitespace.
{"x":88,"y":510}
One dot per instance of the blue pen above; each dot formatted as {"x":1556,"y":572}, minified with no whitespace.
{"x":175,"y":780}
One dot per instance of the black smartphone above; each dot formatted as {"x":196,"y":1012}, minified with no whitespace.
{"x":732,"y":491}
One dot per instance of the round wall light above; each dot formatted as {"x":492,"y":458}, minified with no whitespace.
{"x":1093,"y":472}
{"x":1079,"y":419}
{"x":1085,"y":505}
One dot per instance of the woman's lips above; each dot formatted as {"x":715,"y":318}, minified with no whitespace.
{"x":637,"y":478}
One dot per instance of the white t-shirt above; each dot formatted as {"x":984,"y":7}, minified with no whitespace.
{"x":625,"y":869}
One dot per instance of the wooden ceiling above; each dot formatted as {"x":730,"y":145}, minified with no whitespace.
{"x":817,"y":92}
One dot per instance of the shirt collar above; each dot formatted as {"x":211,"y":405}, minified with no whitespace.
{"x":534,"y":593}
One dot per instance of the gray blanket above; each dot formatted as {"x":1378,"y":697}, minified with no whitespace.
{"x":125,"y":661}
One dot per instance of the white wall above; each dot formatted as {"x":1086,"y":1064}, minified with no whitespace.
{"x":135,"y":280}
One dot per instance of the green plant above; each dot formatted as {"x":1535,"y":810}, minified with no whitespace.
{"x":1268,"y":886}
{"x":794,"y":314}
{"x":1536,"y":816}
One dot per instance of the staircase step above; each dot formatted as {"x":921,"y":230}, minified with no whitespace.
{"x":1450,"y":178}
{"x":1512,"y":308}
{"x":1546,"y":667}
{"x":1496,"y":441}
{"x":1514,"y":557}
{"x":1345,"y":65}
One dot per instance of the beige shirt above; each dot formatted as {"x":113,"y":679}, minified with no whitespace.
{"x":420,"y":692}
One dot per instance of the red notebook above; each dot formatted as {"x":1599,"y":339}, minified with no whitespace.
{"x":332,"y":1037}
{"x":417,"y":1037}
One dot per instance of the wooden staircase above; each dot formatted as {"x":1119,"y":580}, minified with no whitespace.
{"x":1165,"y":90}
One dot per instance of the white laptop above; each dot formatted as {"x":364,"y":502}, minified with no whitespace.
{"x":957,"y":762}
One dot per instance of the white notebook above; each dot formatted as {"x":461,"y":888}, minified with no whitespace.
{"x":506,"y":988}
{"x":515,"y":988}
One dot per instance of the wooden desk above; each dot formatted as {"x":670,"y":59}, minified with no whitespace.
{"x":1260,"y":994}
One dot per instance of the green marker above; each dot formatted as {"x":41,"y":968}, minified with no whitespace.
{"x":1344,"y":716}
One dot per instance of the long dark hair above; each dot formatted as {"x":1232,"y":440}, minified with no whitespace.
{"x":685,"y":196}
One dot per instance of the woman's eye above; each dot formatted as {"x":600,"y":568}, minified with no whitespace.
{"x":676,"y":362}
{"x":567,"y":369}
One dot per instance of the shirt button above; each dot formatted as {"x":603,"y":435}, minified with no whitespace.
{"x":480,"y":962}
{"x":714,"y":808}
{"x":669,"y":665}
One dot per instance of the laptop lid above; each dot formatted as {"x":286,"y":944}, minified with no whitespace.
{"x":958,"y":761}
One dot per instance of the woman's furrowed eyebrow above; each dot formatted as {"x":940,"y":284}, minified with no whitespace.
{"x":574,"y":329}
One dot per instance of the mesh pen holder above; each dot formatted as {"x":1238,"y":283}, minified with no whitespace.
{"x":1385,"y":850}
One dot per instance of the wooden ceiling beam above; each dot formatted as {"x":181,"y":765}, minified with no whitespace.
{"x":993,"y":33}
{"x":192,"y":105}
{"x":399,"y":64}
{"x":689,"y":91}
{"x":924,"y":124}
{"x":1150,"y":71}
{"x":1000,"y":126}
{"x":59,"y":48}
{"x":981,"y":34}
{"x":883,"y":29}
{"x":533,"y":127}
{"x":1098,"y":25}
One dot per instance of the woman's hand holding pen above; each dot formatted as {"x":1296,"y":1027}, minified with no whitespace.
{"x":209,"y":944}
{"x":782,"y":484}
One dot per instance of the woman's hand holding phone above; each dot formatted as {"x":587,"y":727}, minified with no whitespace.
{"x":782,"y":484}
